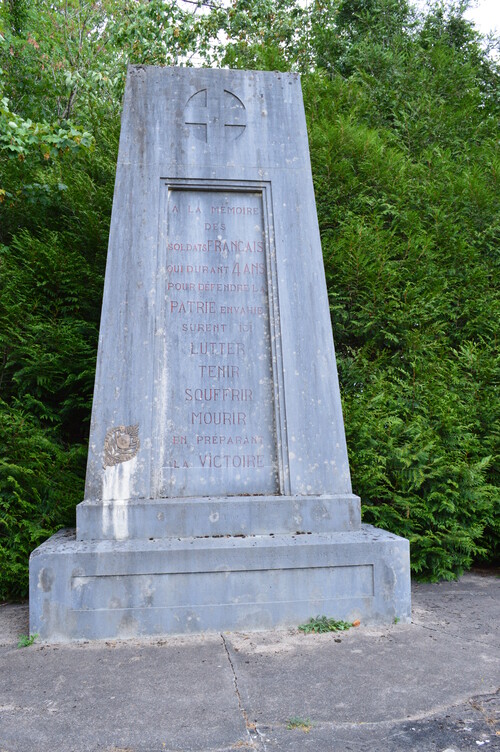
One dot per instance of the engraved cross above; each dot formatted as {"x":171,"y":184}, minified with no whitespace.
{"x":215,"y":115}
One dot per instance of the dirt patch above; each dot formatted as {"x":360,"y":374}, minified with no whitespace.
{"x":14,"y":621}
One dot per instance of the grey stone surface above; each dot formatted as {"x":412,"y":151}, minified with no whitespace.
{"x":470,"y":605}
{"x":259,"y":515}
{"x":215,"y":227}
{"x":129,"y":588}
{"x":462,"y":728}
{"x":118,"y":698}
{"x":218,"y":493}
{"x":429,"y":686}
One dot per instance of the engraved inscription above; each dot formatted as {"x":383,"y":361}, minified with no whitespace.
{"x":218,"y":402}
{"x":121,"y":444}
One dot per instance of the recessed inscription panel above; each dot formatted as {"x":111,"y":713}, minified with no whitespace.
{"x":216,"y":420}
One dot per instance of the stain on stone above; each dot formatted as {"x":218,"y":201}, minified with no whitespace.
{"x":128,"y":626}
{"x":389,"y":577}
{"x":46,"y":579}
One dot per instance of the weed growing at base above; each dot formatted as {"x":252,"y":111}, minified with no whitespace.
{"x":26,"y":640}
{"x":323,"y":624}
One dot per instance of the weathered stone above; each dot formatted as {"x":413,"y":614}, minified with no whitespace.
{"x":235,"y":515}
{"x":218,"y":492}
{"x":173,"y":585}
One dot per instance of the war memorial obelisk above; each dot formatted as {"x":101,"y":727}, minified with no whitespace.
{"x":218,"y":493}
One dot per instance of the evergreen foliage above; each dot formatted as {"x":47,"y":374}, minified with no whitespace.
{"x":402,"y":113}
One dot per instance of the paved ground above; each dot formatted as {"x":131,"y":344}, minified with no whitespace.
{"x":425,"y":687}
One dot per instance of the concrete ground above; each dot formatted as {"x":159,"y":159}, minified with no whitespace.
{"x":429,"y":686}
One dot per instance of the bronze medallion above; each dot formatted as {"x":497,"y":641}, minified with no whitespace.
{"x":121,"y":444}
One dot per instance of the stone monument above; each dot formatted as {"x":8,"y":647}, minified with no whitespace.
{"x":218,"y":493}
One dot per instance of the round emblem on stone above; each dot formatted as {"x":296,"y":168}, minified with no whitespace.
{"x":121,"y":444}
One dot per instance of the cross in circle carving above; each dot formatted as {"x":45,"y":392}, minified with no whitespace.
{"x":215,"y":115}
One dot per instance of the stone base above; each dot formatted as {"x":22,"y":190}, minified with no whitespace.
{"x":207,"y":516}
{"x":131,"y":588}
